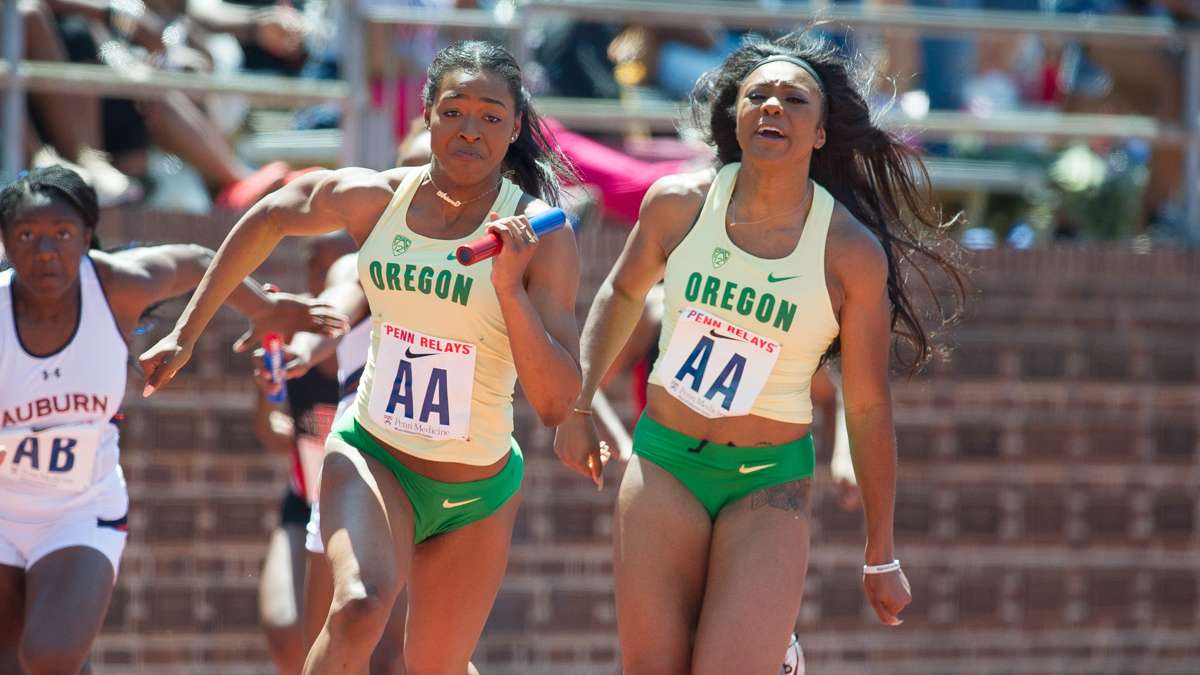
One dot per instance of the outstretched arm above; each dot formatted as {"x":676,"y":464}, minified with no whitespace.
{"x":345,"y":296}
{"x":319,"y":202}
{"x":667,"y":212}
{"x":149,"y":275}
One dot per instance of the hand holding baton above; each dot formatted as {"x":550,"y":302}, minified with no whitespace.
{"x":273,"y":364}
{"x":489,"y":244}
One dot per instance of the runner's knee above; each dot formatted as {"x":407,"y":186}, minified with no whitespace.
{"x":361,"y":607}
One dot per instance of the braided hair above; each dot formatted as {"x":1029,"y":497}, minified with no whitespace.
{"x":55,"y":182}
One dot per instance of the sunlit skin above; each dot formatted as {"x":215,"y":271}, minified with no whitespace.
{"x":45,"y":244}
{"x":784,"y":96}
{"x":779,"y":119}
{"x":46,"y":240}
{"x":681,"y":608}
{"x":471,"y":124}
{"x":473,"y":119}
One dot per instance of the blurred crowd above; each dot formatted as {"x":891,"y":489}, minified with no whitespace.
{"x":180,"y":152}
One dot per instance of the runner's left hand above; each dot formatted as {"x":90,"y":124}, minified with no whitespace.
{"x":888,"y":594}
{"x":518,"y":244}
{"x":578,"y":446}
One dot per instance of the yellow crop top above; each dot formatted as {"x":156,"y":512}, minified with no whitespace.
{"x":439,"y":377}
{"x":743,"y":335}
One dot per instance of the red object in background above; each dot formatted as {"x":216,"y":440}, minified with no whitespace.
{"x":1050,"y":91}
{"x":241,"y":195}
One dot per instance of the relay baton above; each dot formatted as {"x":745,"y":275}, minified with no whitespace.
{"x":273,"y":364}
{"x":489,"y":244}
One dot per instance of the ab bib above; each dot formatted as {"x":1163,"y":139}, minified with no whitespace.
{"x":57,"y":459}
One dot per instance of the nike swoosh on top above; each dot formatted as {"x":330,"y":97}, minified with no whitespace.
{"x":447,"y":504}
{"x":751,"y":469}
{"x":774,"y":279}
{"x":408,"y":353}
{"x":452,"y":256}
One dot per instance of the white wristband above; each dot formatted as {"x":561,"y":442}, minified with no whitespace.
{"x":882,"y":569}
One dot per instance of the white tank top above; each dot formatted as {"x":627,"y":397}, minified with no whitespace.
{"x":56,"y":411}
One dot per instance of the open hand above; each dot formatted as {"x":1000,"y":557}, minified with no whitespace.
{"x":290,"y":314}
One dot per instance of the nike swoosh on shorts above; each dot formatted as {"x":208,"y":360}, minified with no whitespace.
{"x":751,"y":469}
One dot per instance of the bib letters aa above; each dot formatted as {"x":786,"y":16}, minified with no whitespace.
{"x":58,"y":459}
{"x":715,"y":367}
{"x":422,"y":384}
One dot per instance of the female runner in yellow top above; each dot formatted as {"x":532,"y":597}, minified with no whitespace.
{"x":786,"y":255}
{"x":424,"y":460}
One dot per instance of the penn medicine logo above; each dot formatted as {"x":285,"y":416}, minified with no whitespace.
{"x":720,"y":257}
{"x":400,"y":244}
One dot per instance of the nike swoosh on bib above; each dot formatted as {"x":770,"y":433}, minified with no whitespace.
{"x":713,"y":332}
{"x":447,"y":504}
{"x":408,"y":353}
{"x":774,"y":279}
{"x":751,"y":469}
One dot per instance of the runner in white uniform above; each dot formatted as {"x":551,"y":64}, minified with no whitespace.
{"x":65,"y":312}
{"x":296,"y":427}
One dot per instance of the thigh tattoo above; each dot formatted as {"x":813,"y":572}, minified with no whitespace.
{"x":793,"y":496}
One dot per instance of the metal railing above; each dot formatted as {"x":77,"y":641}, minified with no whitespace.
{"x":925,"y":20}
{"x":94,"y":80}
{"x":612,"y":115}
{"x":1085,"y":28}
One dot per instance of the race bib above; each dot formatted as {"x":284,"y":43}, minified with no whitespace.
{"x":422,"y":384}
{"x":57,"y":459}
{"x":715,"y":367}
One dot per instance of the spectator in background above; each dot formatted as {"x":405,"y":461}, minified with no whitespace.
{"x":69,"y":125}
{"x":271,"y":33}
{"x":1134,"y":79}
{"x":128,"y":36}
{"x":574,"y":56}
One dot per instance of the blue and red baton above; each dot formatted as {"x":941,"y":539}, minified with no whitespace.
{"x":489,"y":244}
{"x":273,"y":364}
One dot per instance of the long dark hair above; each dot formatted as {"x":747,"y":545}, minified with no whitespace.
{"x":875,"y":175}
{"x":533,"y":162}
{"x":55,"y":182}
